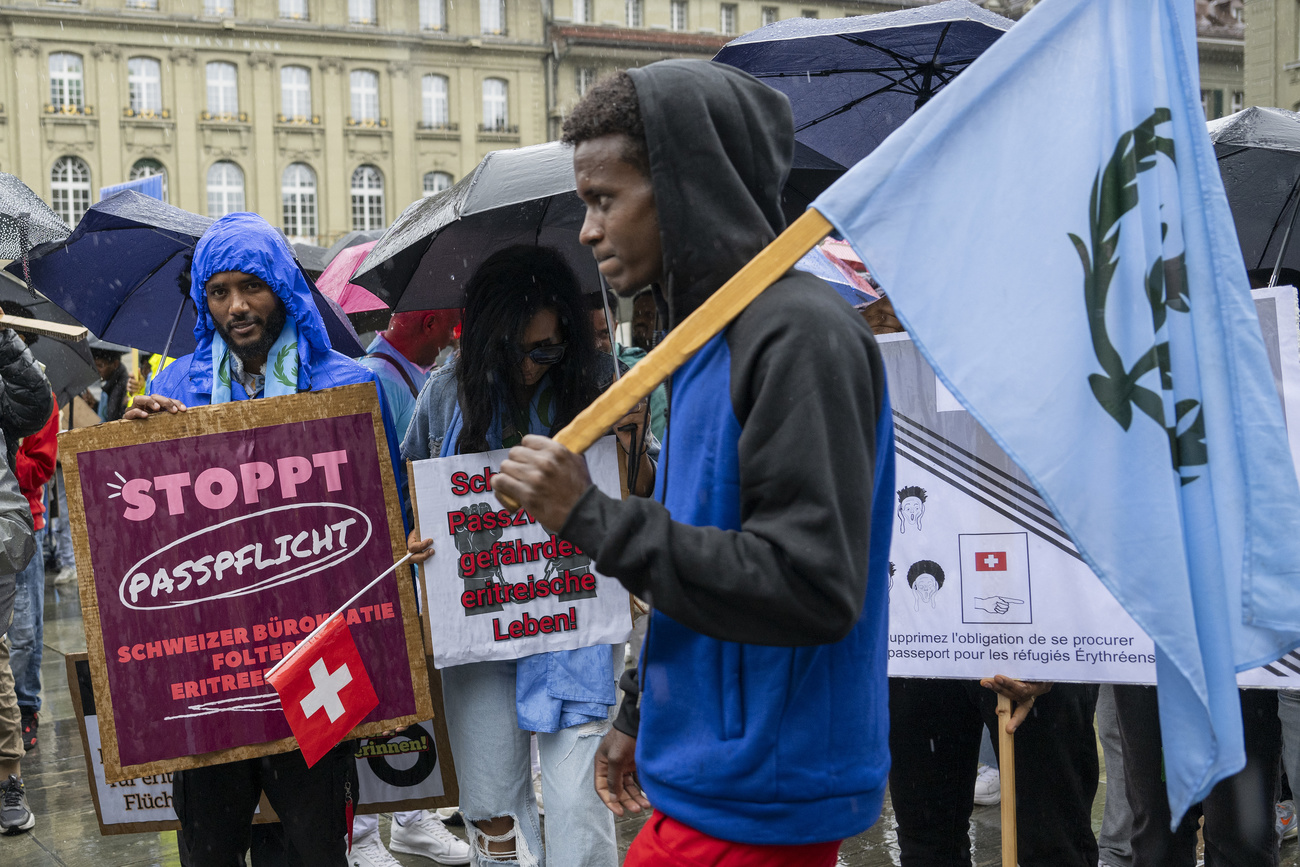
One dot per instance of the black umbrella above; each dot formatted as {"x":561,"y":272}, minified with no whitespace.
{"x":853,"y":81}
{"x":350,"y":239}
{"x":1259,"y":158}
{"x":119,"y":275}
{"x":519,"y":196}
{"x":69,"y":366}
{"x":25,"y":220}
{"x":312,"y":258}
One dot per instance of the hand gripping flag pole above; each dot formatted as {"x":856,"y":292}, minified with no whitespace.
{"x":690,"y":336}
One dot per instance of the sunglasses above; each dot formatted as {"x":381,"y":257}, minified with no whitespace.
{"x":550,"y":354}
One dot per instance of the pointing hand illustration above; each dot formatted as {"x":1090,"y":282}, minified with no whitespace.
{"x":996,"y":604}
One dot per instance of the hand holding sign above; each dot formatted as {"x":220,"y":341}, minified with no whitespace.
{"x":996,"y":604}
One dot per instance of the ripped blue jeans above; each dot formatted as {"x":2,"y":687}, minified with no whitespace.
{"x":494,"y":771}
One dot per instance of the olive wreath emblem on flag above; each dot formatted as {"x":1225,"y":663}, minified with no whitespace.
{"x":1115,"y":193}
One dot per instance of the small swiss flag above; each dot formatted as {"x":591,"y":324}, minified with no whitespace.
{"x":991,"y":561}
{"x":324,"y":689}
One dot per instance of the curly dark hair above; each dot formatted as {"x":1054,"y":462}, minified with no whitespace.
{"x":611,"y":107}
{"x":925,"y":567}
{"x":507,"y":290}
{"x":911,"y":491}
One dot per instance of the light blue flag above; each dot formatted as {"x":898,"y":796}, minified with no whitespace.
{"x":1054,"y":234}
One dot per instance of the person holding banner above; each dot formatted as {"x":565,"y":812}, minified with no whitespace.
{"x":528,"y":364}
{"x":763,"y":713}
{"x":260,"y":335}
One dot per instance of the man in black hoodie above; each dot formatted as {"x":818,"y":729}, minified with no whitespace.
{"x":764,"y":717}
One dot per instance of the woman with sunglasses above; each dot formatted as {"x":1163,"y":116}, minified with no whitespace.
{"x":527,"y":364}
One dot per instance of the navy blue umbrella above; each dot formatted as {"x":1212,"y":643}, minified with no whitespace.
{"x":853,"y":81}
{"x":119,"y":274}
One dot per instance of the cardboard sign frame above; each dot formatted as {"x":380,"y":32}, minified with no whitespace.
{"x":227,"y":417}
{"x":266,"y":814}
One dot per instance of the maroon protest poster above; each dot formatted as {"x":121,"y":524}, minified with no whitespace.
{"x":215,"y":540}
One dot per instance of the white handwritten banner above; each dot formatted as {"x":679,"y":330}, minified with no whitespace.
{"x":499,"y":585}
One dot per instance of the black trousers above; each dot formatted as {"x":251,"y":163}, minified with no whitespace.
{"x":1239,"y":818}
{"x":934,"y":741}
{"x":215,"y":806}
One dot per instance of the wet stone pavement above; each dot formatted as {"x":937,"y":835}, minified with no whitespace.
{"x":67,"y":832}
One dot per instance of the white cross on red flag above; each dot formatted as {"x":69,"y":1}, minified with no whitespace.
{"x":991,"y":561}
{"x":324,"y":689}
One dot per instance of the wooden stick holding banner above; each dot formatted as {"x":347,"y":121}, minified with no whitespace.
{"x":1007,"y":771}
{"x":690,"y":336}
{"x":45,"y":328}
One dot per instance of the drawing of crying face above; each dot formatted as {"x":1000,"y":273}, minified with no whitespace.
{"x":925,"y":578}
{"x":911,"y":507}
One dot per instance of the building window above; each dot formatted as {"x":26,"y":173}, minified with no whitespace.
{"x":496,"y":107}
{"x":223,"y":90}
{"x":632,"y":12}
{"x":727,"y":18}
{"x":433,"y":15}
{"x":219,"y":7}
{"x":808,"y":13}
{"x":151,"y":5}
{"x":433,"y":90}
{"x":367,"y":199}
{"x":771,"y":15}
{"x":584,"y":79}
{"x":365,"y":97}
{"x":492,"y":17}
{"x":678,"y":15}
{"x":294,"y":10}
{"x":436,"y":182}
{"x":1238,"y":101}
{"x":144,"y":85}
{"x":298,"y":196}
{"x":70,"y":189}
{"x":1212,"y":103}
{"x":295,"y":93}
{"x":225,"y":189}
{"x":582,"y":12}
{"x":147,"y":168}
{"x":66,"y":83}
{"x":362,"y":12}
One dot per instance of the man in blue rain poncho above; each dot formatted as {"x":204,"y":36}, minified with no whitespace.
{"x":259,"y":334}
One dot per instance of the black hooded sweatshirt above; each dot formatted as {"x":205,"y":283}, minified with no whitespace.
{"x":806,"y":384}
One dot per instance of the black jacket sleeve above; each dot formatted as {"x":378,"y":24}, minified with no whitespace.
{"x":628,"y":719}
{"x":807,"y":386}
{"x":25,"y":398}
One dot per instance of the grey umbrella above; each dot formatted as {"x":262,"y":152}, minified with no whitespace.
{"x":1259,"y":158}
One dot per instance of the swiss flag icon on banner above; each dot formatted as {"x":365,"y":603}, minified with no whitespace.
{"x":324,"y":689}
{"x":991,"y":561}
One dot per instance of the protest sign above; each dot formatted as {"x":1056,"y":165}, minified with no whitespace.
{"x":983,"y":580}
{"x":213,"y":541}
{"x":411,"y":770}
{"x":499,"y":585}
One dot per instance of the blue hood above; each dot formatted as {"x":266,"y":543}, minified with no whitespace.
{"x":246,"y":242}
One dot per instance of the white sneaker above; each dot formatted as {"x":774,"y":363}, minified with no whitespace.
{"x":988,"y":786}
{"x":369,"y":851}
{"x":428,"y":838}
{"x":67,"y":575}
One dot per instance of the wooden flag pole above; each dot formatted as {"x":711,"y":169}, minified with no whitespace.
{"x":1007,"y":771}
{"x":691,"y":334}
{"x":45,"y":328}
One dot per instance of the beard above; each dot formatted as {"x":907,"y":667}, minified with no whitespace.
{"x":261,"y":348}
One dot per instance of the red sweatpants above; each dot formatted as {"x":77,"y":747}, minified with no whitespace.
{"x":665,"y":842}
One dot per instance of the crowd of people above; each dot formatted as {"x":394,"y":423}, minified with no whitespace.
{"x":756,"y":717}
